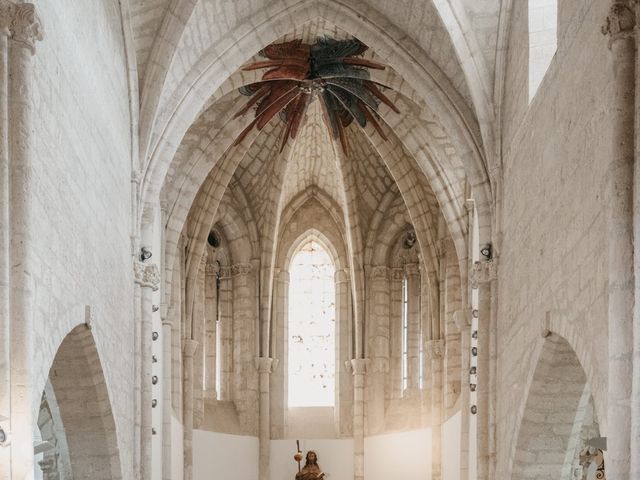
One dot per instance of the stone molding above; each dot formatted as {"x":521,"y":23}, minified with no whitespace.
{"x":483,"y":272}
{"x":621,"y":21}
{"x":147,"y":275}
{"x":211,"y":269}
{"x":22,"y":23}
{"x":235,"y":270}
{"x":434,"y":349}
{"x":379,"y":271}
{"x":265,"y":364}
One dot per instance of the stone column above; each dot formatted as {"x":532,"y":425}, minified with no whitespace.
{"x":344,"y":354}
{"x":167,"y":410}
{"x":434,"y":352}
{"x":463,"y":322}
{"x":414,"y":335}
{"x":359,"y":366}
{"x":199,"y":321}
{"x":279,"y":348}
{"x":482,"y":276}
{"x":620,"y":27}
{"x":5,"y":241}
{"x":395,"y":315}
{"x":147,"y":276}
{"x":226,"y":333}
{"x":189,"y":348}
{"x":211,"y":321}
{"x":25,"y":30}
{"x":265,"y":367}
{"x":378,"y":346}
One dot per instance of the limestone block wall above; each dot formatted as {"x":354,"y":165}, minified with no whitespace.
{"x":553,"y":249}
{"x":79,"y":198}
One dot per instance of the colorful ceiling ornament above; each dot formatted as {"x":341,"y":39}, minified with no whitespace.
{"x":331,"y":70}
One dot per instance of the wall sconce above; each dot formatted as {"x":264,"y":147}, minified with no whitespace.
{"x":487,"y":251}
{"x":154,"y":336}
{"x":154,"y":403}
{"x":474,"y":351}
{"x":154,"y":379}
{"x":474,"y":313}
{"x":474,"y":409}
{"x":474,"y":334}
{"x":155,"y":308}
{"x":4,"y":438}
{"x":153,"y":431}
{"x":472,"y":387}
{"x":154,"y":359}
{"x":473,"y":371}
{"x":145,"y":254}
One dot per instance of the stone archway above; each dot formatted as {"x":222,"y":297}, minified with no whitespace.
{"x":558,"y":417}
{"x":78,"y":382}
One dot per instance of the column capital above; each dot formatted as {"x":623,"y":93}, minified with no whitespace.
{"x":146,"y":275}
{"x":359,"y":366}
{"x":189,"y":347}
{"x":22,"y":23}
{"x":397,"y":273}
{"x":265,"y":364}
{"x":379,"y":271}
{"x":483,"y":272}
{"x":211,"y":269}
{"x":412,"y":269}
{"x":620,"y":22}
{"x":434,"y":349}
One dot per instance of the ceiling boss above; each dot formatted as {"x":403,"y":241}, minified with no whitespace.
{"x":331,"y":70}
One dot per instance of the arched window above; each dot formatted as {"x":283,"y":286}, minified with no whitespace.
{"x":543,"y":40}
{"x":312,"y":313}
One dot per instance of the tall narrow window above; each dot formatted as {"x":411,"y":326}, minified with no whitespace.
{"x":312,"y":313}
{"x":543,"y":40}
{"x":405,"y":333}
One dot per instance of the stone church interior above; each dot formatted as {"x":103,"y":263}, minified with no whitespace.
{"x":319,"y":239}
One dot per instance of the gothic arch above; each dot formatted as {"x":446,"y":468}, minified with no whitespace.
{"x":77,"y":378}
{"x":551,"y":413}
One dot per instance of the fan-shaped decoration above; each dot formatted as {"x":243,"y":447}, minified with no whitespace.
{"x":332,"y":70}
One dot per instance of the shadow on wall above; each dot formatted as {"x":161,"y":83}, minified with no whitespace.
{"x":76,"y":399}
{"x":559,"y":417}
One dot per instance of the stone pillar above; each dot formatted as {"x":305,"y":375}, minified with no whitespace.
{"x":226,"y":333}
{"x":265,"y":367}
{"x":199,"y":321}
{"x":167,"y":410}
{"x":189,"y":348}
{"x":620,"y":27}
{"x":211,"y":321}
{"x":414,"y":336}
{"x":279,"y":348}
{"x":482,"y":277}
{"x":434,"y":352}
{"x":147,"y":276}
{"x":395,"y":315}
{"x":359,"y":366}
{"x":463,"y":322}
{"x":25,"y":30}
{"x":378,"y":346}
{"x":5,"y":241}
{"x":344,"y":353}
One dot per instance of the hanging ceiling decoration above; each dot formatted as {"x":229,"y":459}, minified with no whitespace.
{"x":331,"y":70}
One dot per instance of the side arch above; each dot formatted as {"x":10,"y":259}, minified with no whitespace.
{"x":77,"y":378}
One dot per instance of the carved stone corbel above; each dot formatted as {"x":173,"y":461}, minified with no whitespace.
{"x":146,"y":275}
{"x":483,"y":272}
{"x":23,"y":23}
{"x":621,"y":21}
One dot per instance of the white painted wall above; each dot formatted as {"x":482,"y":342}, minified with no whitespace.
{"x":451,"y":430}
{"x":405,"y":455}
{"x":335,"y":457}
{"x":224,"y":457}
{"x":177,"y":458}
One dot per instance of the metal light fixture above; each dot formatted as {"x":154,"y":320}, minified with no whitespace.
{"x":474,"y":334}
{"x":474,"y":409}
{"x":473,"y":370}
{"x":154,"y":336}
{"x":155,"y":308}
{"x":472,"y":387}
{"x":145,"y":254}
{"x":474,"y":351}
{"x":487,"y":251}
{"x":154,"y":379}
{"x":154,"y":359}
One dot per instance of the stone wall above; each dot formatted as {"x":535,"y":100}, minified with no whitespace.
{"x":552,"y":259}
{"x":80,"y":194}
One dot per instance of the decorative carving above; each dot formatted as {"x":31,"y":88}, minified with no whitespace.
{"x":235,"y":270}
{"x":265,"y":364}
{"x":147,"y":275}
{"x":359,"y":366}
{"x":379,"y":271}
{"x":211,"y":269}
{"x":25,"y":25}
{"x":397,"y":273}
{"x":483,"y":272}
{"x":620,"y":22}
{"x":434,"y":349}
{"x":592,"y":455}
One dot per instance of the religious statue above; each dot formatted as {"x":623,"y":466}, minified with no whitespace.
{"x":311,"y":469}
